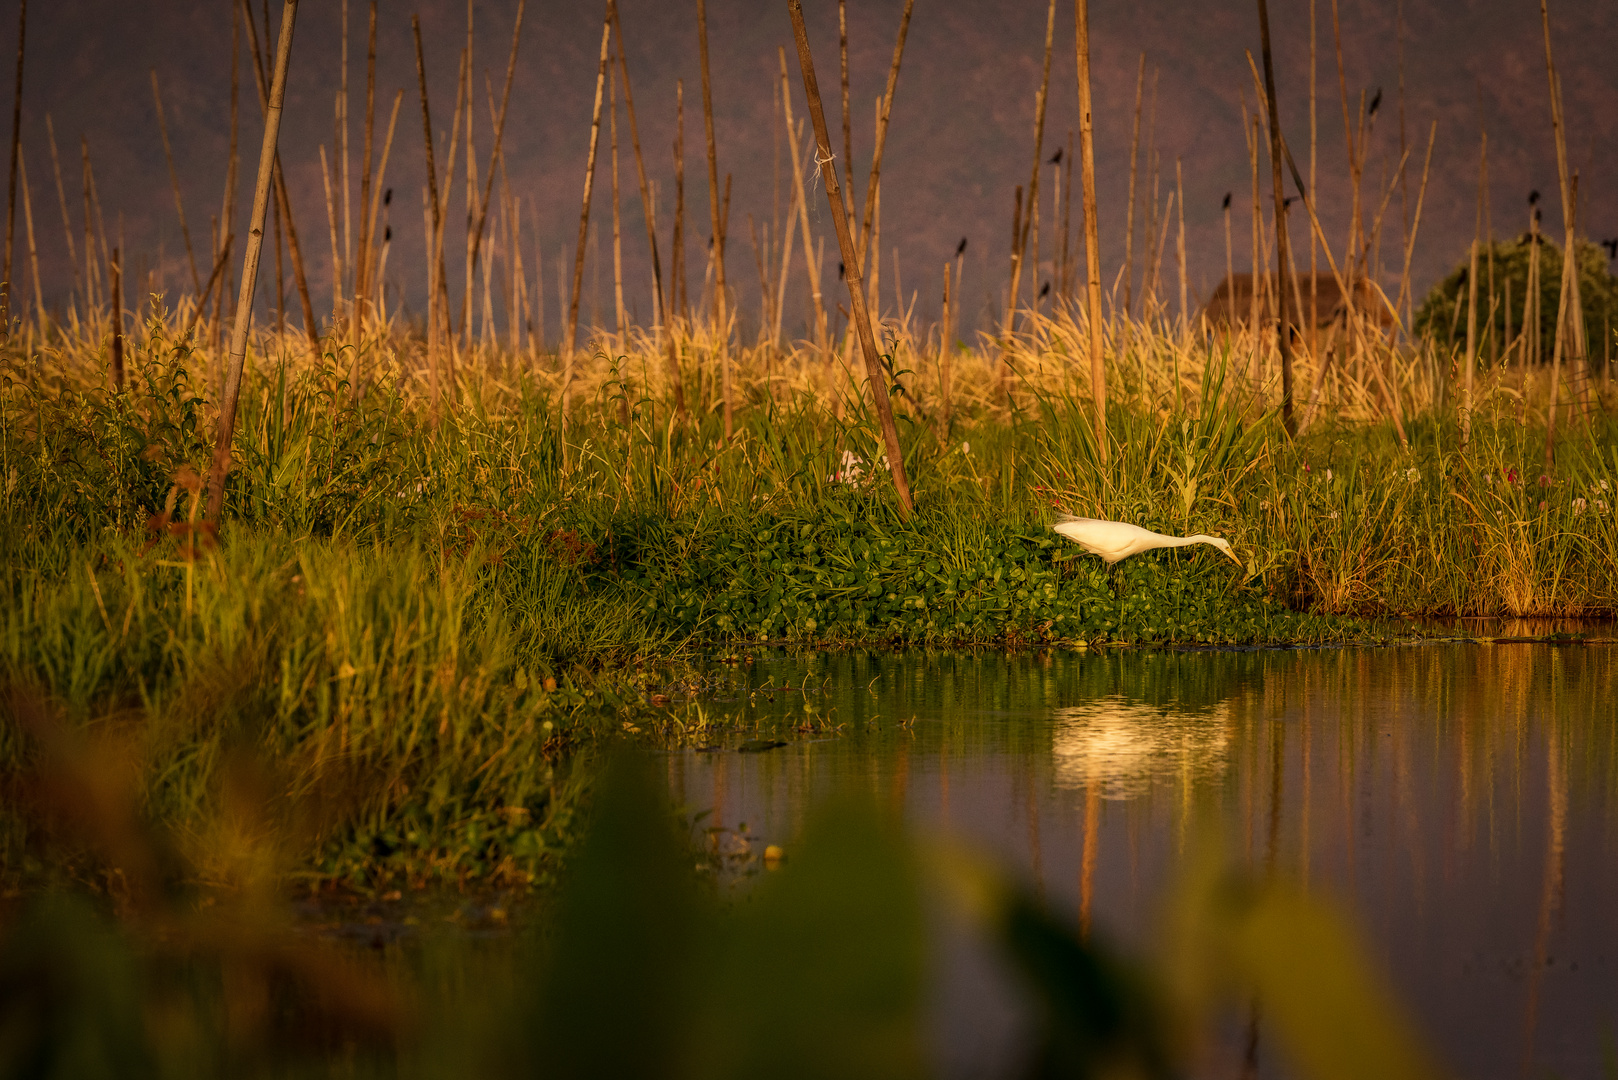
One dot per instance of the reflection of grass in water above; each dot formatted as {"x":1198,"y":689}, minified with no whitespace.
{"x":636,"y":969}
{"x":1123,"y":747}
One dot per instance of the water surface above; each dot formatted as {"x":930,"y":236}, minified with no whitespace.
{"x":1459,"y":798}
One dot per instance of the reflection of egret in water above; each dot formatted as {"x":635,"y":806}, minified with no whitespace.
{"x":1122,"y":746}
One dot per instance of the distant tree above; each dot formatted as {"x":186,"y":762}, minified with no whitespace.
{"x":1442,"y":315}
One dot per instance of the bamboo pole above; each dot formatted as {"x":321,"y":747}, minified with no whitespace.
{"x":33,"y":251}
{"x":244,"y":303}
{"x":886,"y":109}
{"x":1472,"y":310}
{"x":617,"y":240}
{"x":662,"y":308}
{"x":845,"y":241}
{"x":433,"y":315}
{"x":680,"y":300}
{"x":284,"y":208}
{"x":790,"y":230}
{"x":1314,"y":250}
{"x":336,"y":251}
{"x":1255,"y":292}
{"x":811,"y":267}
{"x":1281,"y":252}
{"x":1410,"y":238}
{"x":90,"y":277}
{"x":463,"y":330}
{"x":944,"y":361}
{"x":1314,"y":220}
{"x":227,"y":198}
{"x":342,"y":136}
{"x":1066,"y":282}
{"x":446,"y":320}
{"x":1019,"y":240}
{"x":16,"y":154}
{"x":721,"y":321}
{"x":1185,"y":309}
{"x":1092,"y":252}
{"x":378,"y":195}
{"x":61,"y":199}
{"x":1570,"y":250}
{"x":584,"y":217}
{"x":116,"y":283}
{"x":848,"y":120}
{"x":1568,"y":293}
{"x":1129,"y":212}
{"x":174,"y":180}
{"x":362,"y":253}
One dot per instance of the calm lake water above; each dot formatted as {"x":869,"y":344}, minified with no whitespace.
{"x":1461,"y":799}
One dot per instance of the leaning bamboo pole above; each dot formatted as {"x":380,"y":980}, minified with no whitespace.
{"x":1129,"y":211}
{"x":1568,"y":295}
{"x":33,"y":250}
{"x":16,"y":155}
{"x":499,"y":139}
{"x":362,"y":257}
{"x":1337,"y":275}
{"x":811,"y":267}
{"x":1282,"y":260}
{"x":1092,"y":252}
{"x":434,"y":316}
{"x":790,"y":230}
{"x":61,"y":199}
{"x":174,"y":180}
{"x":115,"y":272}
{"x":845,"y":241}
{"x":886,"y":110}
{"x":1575,"y":305}
{"x":848,"y":122}
{"x":283,"y":202}
{"x":571,"y":339}
{"x":664,"y":312}
{"x":255,"y":240}
{"x":721,"y":318}
{"x":620,"y":323}
{"x":1019,"y":241}
{"x":1472,"y":311}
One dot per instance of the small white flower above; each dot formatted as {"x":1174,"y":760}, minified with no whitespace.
{"x":1333,"y":515}
{"x":1601,"y":504}
{"x":1328,"y":476}
{"x":1578,"y":506}
{"x":966,"y":448}
{"x":1413,"y":474}
{"x":1602,"y":485}
{"x":852,"y":472}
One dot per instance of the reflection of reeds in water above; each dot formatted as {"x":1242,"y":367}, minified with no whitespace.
{"x":1123,"y":747}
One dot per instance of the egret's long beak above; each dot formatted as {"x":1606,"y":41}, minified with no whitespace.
{"x":1233,"y":557}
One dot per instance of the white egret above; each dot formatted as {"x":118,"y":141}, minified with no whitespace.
{"x":1116,"y":540}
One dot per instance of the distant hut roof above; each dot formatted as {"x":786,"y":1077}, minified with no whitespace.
{"x":1232,"y":301}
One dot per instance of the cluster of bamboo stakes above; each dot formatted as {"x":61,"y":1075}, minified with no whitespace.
{"x":1041,"y":322}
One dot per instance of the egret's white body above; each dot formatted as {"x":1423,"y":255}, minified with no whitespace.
{"x":1115,"y":540}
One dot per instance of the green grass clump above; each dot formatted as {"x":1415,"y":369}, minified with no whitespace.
{"x":412,"y":610}
{"x":419,"y":722}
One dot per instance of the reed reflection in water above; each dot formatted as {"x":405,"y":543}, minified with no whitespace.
{"x":1461,"y":799}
